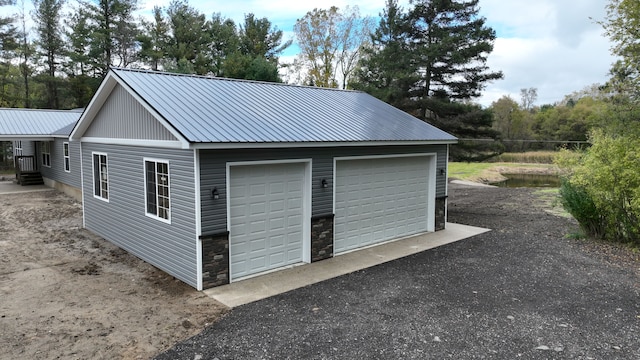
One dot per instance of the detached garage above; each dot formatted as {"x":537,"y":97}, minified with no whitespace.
{"x":217,"y":180}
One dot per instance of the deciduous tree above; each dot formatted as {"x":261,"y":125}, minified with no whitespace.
{"x":621,"y":26}
{"x":317,"y":37}
{"x":330,"y":43}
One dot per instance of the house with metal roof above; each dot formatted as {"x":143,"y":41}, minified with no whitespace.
{"x":215,"y":180}
{"x":41,"y":147}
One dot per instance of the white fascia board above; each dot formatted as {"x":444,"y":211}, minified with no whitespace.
{"x":271,"y":145}
{"x":26,"y":137}
{"x":167,"y":144}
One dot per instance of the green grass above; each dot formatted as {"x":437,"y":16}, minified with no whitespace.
{"x":467,"y":171}
{"x":487,"y":172}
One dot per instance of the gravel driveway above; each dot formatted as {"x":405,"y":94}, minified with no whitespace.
{"x":523,"y":290}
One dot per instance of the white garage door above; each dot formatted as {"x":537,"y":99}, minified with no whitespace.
{"x":266,"y":217}
{"x":380,"y":199}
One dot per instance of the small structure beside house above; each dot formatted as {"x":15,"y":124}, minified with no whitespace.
{"x":41,"y":148}
{"x":215,"y":180}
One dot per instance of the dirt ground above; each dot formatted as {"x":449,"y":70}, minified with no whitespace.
{"x":67,"y":294}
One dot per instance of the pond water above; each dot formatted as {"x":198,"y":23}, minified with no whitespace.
{"x":529,"y":180}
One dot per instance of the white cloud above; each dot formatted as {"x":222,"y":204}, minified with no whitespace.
{"x":554,"y":46}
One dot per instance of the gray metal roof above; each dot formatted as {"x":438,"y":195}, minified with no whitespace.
{"x":36,"y":122}
{"x":65,"y":131}
{"x":216,"y":110}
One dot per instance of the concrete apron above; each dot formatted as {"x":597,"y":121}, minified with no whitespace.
{"x":9,"y":187}
{"x":274,"y":283}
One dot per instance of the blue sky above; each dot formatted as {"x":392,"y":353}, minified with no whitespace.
{"x":552,"y":45}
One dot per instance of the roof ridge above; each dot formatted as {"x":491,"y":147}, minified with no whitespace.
{"x":157,"y":72}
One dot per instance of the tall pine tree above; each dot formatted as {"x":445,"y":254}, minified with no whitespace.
{"x":154,"y":39}
{"x":387,"y":69}
{"x":81,"y":75}
{"x":113,"y":33}
{"x":188,"y":46}
{"x":47,"y":17}
{"x":431,"y":62}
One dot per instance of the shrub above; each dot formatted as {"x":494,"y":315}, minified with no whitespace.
{"x":605,"y":181}
{"x":580,"y":205}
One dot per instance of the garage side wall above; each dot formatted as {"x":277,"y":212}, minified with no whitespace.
{"x":123,"y":220}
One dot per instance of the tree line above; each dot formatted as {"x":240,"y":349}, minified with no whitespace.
{"x":428,"y":59}
{"x":61,"y":61}
{"x":523,"y":126}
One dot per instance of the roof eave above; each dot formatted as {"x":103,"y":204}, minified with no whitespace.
{"x":297,"y":144}
{"x":21,"y":137}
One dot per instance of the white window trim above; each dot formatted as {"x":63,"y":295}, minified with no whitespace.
{"x":144,"y":171}
{"x":17,"y":149}
{"x":93,"y":176}
{"x":66,"y":158}
{"x":43,"y":153}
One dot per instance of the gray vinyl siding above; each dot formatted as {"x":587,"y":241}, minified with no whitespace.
{"x":123,"y":220}
{"x":123,"y":117}
{"x":213,"y":174}
{"x":56,"y":171}
{"x":28,"y":147}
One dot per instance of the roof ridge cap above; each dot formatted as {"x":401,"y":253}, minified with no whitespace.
{"x":218,"y":78}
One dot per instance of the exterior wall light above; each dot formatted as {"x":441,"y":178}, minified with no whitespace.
{"x":215,"y":195}
{"x":442,"y":172}
{"x":324,"y":183}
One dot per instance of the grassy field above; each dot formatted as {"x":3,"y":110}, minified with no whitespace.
{"x":492,"y":172}
{"x":531,"y":157}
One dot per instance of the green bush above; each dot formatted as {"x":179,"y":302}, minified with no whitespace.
{"x":580,"y":205}
{"x":602,"y":189}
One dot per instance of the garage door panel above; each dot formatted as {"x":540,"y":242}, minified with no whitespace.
{"x":268,"y":200}
{"x":379,"y":200}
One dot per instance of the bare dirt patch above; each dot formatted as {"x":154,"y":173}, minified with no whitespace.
{"x":68,"y":294}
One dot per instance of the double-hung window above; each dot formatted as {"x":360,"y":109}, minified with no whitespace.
{"x":46,"y":153}
{"x":17,"y":148}
{"x":156,"y":174}
{"x":100,"y":176}
{"x":65,"y":152}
